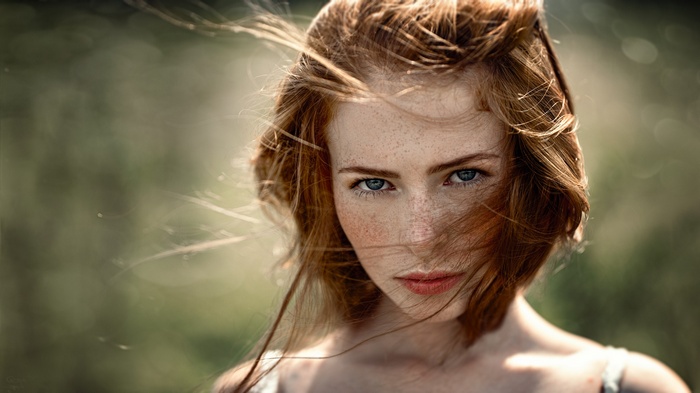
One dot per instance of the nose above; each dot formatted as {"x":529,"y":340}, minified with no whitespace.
{"x":420,"y":225}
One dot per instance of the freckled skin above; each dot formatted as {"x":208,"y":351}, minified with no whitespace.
{"x":391,"y":230}
{"x":392,"y":202}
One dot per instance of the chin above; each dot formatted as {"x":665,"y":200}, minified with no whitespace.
{"x":433,"y":310}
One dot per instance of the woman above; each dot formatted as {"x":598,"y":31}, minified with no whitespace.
{"x":426,"y":153}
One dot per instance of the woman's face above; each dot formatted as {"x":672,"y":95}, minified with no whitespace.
{"x":401,"y":171}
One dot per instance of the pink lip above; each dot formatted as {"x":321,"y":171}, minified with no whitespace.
{"x":433,"y":283}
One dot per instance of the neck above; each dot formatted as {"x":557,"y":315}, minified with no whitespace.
{"x":394,"y":338}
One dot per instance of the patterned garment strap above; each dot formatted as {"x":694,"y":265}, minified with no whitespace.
{"x":612,"y":375}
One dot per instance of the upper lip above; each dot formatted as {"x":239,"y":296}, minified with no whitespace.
{"x":418,"y":276}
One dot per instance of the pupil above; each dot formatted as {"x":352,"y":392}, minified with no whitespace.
{"x":466,"y":175}
{"x":374,"y":184}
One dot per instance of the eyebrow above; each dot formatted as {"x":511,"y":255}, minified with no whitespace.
{"x":459,"y":161}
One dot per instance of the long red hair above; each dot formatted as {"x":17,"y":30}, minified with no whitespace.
{"x":541,"y":207}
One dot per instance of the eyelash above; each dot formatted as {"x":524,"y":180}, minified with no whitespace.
{"x":479,"y":177}
{"x":368,"y":193}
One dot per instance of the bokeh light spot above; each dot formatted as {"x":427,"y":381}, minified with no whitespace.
{"x":639,"y":50}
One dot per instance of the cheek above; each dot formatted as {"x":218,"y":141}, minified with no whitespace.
{"x":365,"y":227}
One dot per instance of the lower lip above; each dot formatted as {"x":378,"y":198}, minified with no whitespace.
{"x":431,"y":287}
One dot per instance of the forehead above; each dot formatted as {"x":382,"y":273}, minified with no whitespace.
{"x":435,"y":97}
{"x":438,"y":118}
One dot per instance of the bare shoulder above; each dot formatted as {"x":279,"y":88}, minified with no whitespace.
{"x":645,"y":374}
{"x":586,"y":360}
{"x":275,"y":372}
{"x":265,"y":375}
{"x":228,"y":381}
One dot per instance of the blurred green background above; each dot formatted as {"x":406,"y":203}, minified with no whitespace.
{"x":133,"y":257}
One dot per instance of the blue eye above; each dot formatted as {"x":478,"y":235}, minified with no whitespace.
{"x":463,"y":175}
{"x":373,"y":184}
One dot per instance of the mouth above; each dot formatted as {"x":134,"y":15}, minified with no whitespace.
{"x":433,"y":283}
